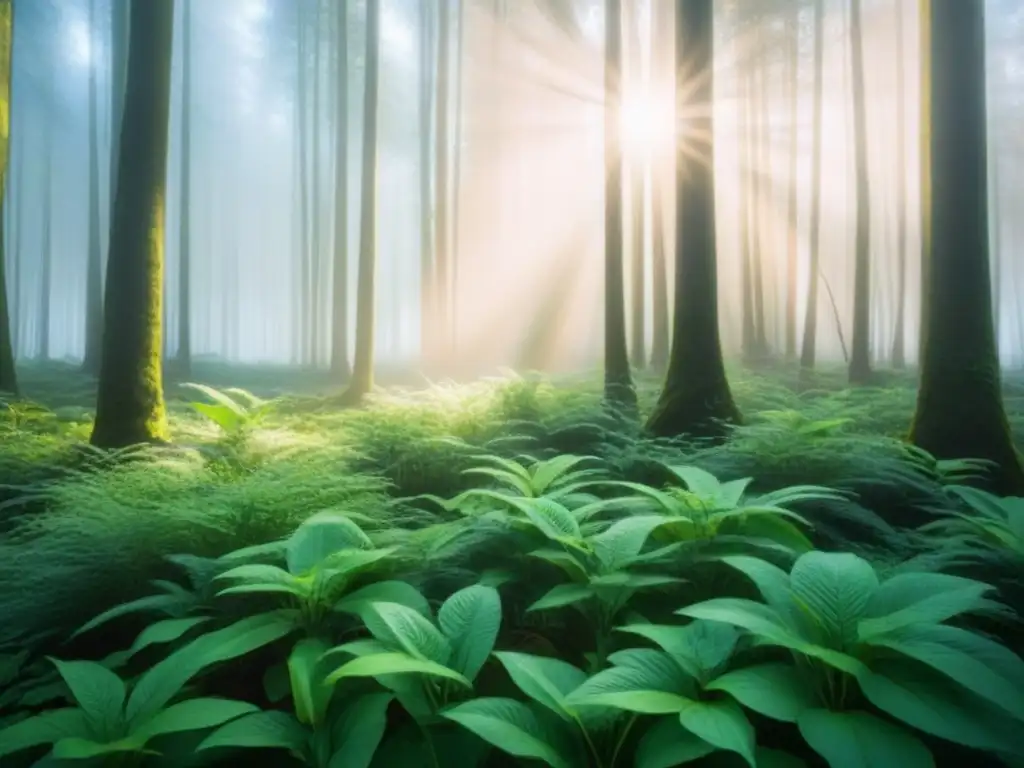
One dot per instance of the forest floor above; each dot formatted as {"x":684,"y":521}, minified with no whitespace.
{"x":81,"y":531}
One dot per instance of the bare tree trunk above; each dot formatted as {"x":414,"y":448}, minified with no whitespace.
{"x":860,"y":344}
{"x":899,"y":357}
{"x":184,"y":356}
{"x":810,"y":341}
{"x":8,"y":374}
{"x":339,"y":301}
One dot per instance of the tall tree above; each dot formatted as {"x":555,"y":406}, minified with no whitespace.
{"x":362,"y":367}
{"x":860,"y":352}
{"x":618,"y":380}
{"x":637,"y":171}
{"x":94,"y":255}
{"x":8,"y":375}
{"x":792,"y":181}
{"x":899,"y":357}
{"x":662,"y":173}
{"x":425,"y":117}
{"x":809,"y":344}
{"x":339,"y":288}
{"x":959,"y":403}
{"x":130,"y":402}
{"x":696,"y":398}
{"x":184,"y":356}
{"x":442,"y":174}
{"x":46,"y":249}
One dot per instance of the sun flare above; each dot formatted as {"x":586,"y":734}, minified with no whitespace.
{"x":646,"y":127}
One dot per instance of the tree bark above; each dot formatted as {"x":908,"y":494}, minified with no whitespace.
{"x":130,"y":403}
{"x":959,"y":404}
{"x":184,"y":356}
{"x":339,"y":300}
{"x":809,"y":346}
{"x":8,"y":374}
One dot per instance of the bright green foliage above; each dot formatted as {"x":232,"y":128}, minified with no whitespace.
{"x":234,"y":410}
{"x":996,"y":525}
{"x":860,"y":640}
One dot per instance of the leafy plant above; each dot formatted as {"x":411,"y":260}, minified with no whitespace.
{"x":994,"y":524}
{"x":112,"y":717}
{"x":858,"y":640}
{"x":234,"y":410}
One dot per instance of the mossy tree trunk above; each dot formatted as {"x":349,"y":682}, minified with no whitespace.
{"x":8,"y":375}
{"x":362,"y":368}
{"x":619,"y":391}
{"x":959,"y":404}
{"x":696,"y":398}
{"x":130,"y":403}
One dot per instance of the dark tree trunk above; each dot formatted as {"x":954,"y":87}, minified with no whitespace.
{"x":959,"y":404}
{"x":696,"y":399}
{"x":8,"y":375}
{"x":130,"y":403}
{"x":618,"y":380}
{"x":362,"y":368}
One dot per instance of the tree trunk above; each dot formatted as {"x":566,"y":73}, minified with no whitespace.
{"x":428,"y":331}
{"x":860,"y":344}
{"x":696,"y":399}
{"x":637,"y":188}
{"x":8,"y":375}
{"x":618,"y":381}
{"x":46,"y":249}
{"x":661,"y":172}
{"x":899,"y":356}
{"x":339,"y":300}
{"x":184,"y":356}
{"x":959,"y":403}
{"x":442,"y":257}
{"x":809,"y":346}
{"x":130,"y":403}
{"x":94,"y":257}
{"x":793,"y":185}
{"x":362,"y":369}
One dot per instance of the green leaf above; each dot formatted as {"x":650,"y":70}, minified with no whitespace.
{"x":511,"y":726}
{"x":259,"y":730}
{"x":836,"y":588}
{"x":400,"y":592}
{"x":698,"y":481}
{"x":546,"y":681}
{"x":356,"y":733}
{"x":771,"y":581}
{"x":934,"y":704}
{"x":667,"y":744}
{"x":321,"y":536}
{"x":981,"y":665}
{"x":98,"y":691}
{"x":552,"y":519}
{"x":471,"y":618}
{"x":162,"y":682}
{"x":621,"y":542}
{"x":193,"y":715}
{"x":309,"y":694}
{"x":165,"y":631}
{"x":394,"y":664}
{"x":44,"y":728}
{"x":921,"y":598}
{"x":158,"y":603}
{"x":564,"y":561}
{"x":259,"y":577}
{"x":73,"y":748}
{"x":861,"y":740}
{"x":775,"y":690}
{"x":644,"y":681}
{"x":407,"y":629}
{"x":723,"y":724}
{"x":561,"y":596}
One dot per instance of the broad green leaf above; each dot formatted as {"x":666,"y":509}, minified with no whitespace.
{"x":698,"y":481}
{"x":551,"y":472}
{"x":260,"y":730}
{"x":647,"y":682}
{"x":407,"y":629}
{"x":309,"y":694}
{"x":622,"y":541}
{"x":562,"y":595}
{"x":775,"y":690}
{"x":552,"y":519}
{"x":321,"y":536}
{"x":470,"y":619}
{"x":511,"y":726}
{"x":358,"y":729}
{"x":159,"y":603}
{"x":861,"y":740}
{"x":165,"y":631}
{"x":975,"y":662}
{"x":934,"y":704}
{"x":74,"y":748}
{"x":45,"y":728}
{"x":836,"y":588}
{"x":723,"y":724}
{"x":547,"y":681}
{"x":667,"y":744}
{"x":523,"y":486}
{"x":921,"y":598}
{"x":563,"y":560}
{"x":391,"y":591}
{"x":193,"y":715}
{"x":771,"y":581}
{"x":162,"y":682}
{"x":98,"y":691}
{"x":394,"y":664}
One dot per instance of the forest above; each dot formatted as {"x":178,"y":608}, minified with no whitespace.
{"x":486,"y":383}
